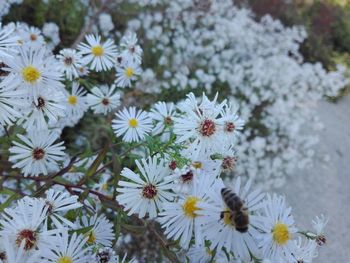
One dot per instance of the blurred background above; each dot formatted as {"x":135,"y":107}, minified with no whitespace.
{"x":312,"y":173}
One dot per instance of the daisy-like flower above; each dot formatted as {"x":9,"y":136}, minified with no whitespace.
{"x":14,"y":254}
{"x":144,"y":194}
{"x":276,"y":225}
{"x":231,"y":122}
{"x":163,"y":114}
{"x":131,"y":124}
{"x":75,"y":102}
{"x":319,"y":225}
{"x":32,"y":70}
{"x":220,"y":230}
{"x":58,"y":204}
{"x":130,"y":49}
{"x":31,"y":36}
{"x":228,"y":158}
{"x":48,"y":107}
{"x":70,"y":63}
{"x":100,"y":56}
{"x":7,"y":41}
{"x":24,"y":225}
{"x":103,"y":99}
{"x":304,"y":250}
{"x":9,"y":101}
{"x":66,"y":250}
{"x":127,"y":72}
{"x":37,"y":153}
{"x":203,"y":254}
{"x":182,"y":219}
{"x":101,"y":232}
{"x":199,"y":126}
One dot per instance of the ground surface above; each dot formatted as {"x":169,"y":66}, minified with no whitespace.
{"x":326,"y":187}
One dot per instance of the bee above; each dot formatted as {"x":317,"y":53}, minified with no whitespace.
{"x":238,"y":212}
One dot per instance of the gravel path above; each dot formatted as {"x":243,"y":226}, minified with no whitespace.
{"x":326,"y":187}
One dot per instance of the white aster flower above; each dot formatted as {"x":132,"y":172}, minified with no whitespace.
{"x":231,"y":122}
{"x":15,"y":254}
{"x":37,"y":153}
{"x":220,"y":230}
{"x":319,"y":225}
{"x":144,"y":194}
{"x":31,"y":36}
{"x":7,"y":41}
{"x":65,"y":249}
{"x":304,"y":250}
{"x":103,"y":99}
{"x":130,"y":49}
{"x":101,"y":232}
{"x":163,"y":114}
{"x":125,"y":73}
{"x":276,"y":225}
{"x":131,"y":124}
{"x":70,"y":63}
{"x":100,"y":56}
{"x":75,"y":102}
{"x":32,"y":70}
{"x":10,"y":101}
{"x":24,"y":224}
{"x":182,"y":219}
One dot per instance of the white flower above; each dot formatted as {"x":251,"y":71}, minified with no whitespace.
{"x":15,"y":254}
{"x":319,"y":225}
{"x":163,"y":114}
{"x":105,"y":23}
{"x":58,"y":204}
{"x":75,"y":102}
{"x":144,"y":194}
{"x":37,"y":153}
{"x":219,"y":229}
{"x":24,"y":224}
{"x":100,"y":56}
{"x":199,"y":127}
{"x":132,"y":124}
{"x":38,"y":113}
{"x":127,"y":72}
{"x":51,"y":31}
{"x":31,"y":36}
{"x":276,"y":225}
{"x":231,"y":123}
{"x":65,"y":249}
{"x":32,"y":70}
{"x":304,"y":250}
{"x":70,"y":63}
{"x":10,"y":101}
{"x":182,"y":219}
{"x":101,"y":232}
{"x":7,"y":41}
{"x":130,"y":49}
{"x":103,"y":99}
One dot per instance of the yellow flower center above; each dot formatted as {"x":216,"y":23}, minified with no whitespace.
{"x":133,"y":123}
{"x":209,"y":252}
{"x":91,"y":238}
{"x":72,"y":100}
{"x":97,"y":51}
{"x":280,"y":234}
{"x":197,"y":165}
{"x":190,"y":206}
{"x":105,"y":187}
{"x":30,"y":74}
{"x":129,"y":72}
{"x":65,"y":259}
{"x":226,"y":218}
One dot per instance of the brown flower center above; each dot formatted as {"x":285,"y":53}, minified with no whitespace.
{"x":230,"y":127}
{"x":29,"y":237}
{"x":173,"y":165}
{"x":33,"y":37}
{"x":228,"y":163}
{"x":207,"y":128}
{"x":168,"y":120}
{"x":38,"y":154}
{"x":68,"y":61}
{"x":187,"y":177}
{"x":149,"y":191}
{"x":105,"y":101}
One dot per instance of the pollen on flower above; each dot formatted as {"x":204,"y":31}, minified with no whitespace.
{"x":133,"y":123}
{"x":149,"y":191}
{"x":29,"y":237}
{"x":65,"y":259}
{"x":30,"y":74}
{"x":33,"y":37}
{"x":97,"y":51}
{"x":38,"y":154}
{"x":91,"y":238}
{"x":280,"y":234}
{"x":227,"y":217}
{"x":197,"y":165}
{"x":72,"y":100}
{"x":190,"y":207}
{"x":129,"y":72}
{"x":207,"y":128}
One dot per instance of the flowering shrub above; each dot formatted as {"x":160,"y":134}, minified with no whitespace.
{"x":165,"y":170}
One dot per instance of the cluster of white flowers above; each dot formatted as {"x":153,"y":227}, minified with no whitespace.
{"x":214,"y":45}
{"x":172,"y":164}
